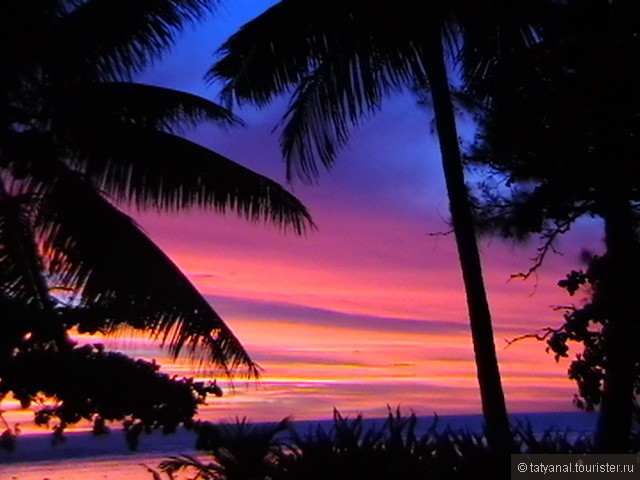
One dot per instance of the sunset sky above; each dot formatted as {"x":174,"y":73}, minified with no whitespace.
{"x":368,"y":310}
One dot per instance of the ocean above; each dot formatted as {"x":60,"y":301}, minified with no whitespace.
{"x":85,"y":457}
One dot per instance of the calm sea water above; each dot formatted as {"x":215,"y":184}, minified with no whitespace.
{"x":84,"y":457}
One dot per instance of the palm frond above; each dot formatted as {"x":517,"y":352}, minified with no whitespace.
{"x":115,"y":38}
{"x":272,"y":52}
{"x":201,"y":470}
{"x":279,"y":49}
{"x":136,"y":104}
{"x":21,"y":276}
{"x":126,"y":280}
{"x":338,"y":95}
{"x":24,"y":291}
{"x":120,"y":135}
{"x":154,"y":169}
{"x":342,"y":59}
{"x":24,"y":299}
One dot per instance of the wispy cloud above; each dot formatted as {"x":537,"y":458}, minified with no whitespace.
{"x":369,"y":309}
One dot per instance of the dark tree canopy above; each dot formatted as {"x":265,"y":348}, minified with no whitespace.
{"x":78,"y":140}
{"x":564,"y":117}
{"x":563,"y":128}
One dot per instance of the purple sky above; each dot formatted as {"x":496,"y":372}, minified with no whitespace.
{"x":369,"y":309}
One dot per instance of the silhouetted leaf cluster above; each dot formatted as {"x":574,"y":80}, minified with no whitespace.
{"x":583,"y":327}
{"x":93,"y":384}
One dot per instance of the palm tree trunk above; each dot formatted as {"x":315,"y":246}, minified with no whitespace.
{"x":492,"y":396}
{"x":620,"y":288}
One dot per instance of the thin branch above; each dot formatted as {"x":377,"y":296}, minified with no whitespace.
{"x":548,"y":237}
{"x":543,"y":335}
{"x":440,"y":234}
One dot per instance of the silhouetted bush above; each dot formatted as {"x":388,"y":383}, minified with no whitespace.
{"x":354,"y":449}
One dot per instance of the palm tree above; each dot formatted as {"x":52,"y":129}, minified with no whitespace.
{"x":342,"y":58}
{"x":565,"y":134}
{"x":77,"y":137}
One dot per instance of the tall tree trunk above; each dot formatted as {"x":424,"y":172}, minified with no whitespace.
{"x":620,"y":287}
{"x":492,"y":396}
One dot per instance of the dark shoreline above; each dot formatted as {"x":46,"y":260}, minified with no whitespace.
{"x":38,"y":448}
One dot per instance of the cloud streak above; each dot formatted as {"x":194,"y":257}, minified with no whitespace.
{"x":369,"y":310}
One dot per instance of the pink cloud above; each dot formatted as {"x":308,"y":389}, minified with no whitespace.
{"x":369,"y":309}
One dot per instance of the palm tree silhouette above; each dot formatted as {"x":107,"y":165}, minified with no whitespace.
{"x":78,"y":136}
{"x":341,"y":58}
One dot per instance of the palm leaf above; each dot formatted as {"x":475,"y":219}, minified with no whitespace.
{"x":154,"y":169}
{"x":110,"y":132}
{"x":21,"y":276}
{"x":115,"y":38}
{"x":201,"y":470}
{"x":126,"y":281}
{"x":25,"y":300}
{"x":324,"y":108}
{"x":341,"y":58}
{"x":280,"y":49}
{"x":22,"y":270}
{"x":136,"y":104}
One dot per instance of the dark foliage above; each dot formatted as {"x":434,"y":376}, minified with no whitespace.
{"x":583,"y":329}
{"x":354,"y":449}
{"x":561,"y":119}
{"x":562,"y":127}
{"x":78,"y":140}
{"x":89,"y":383}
